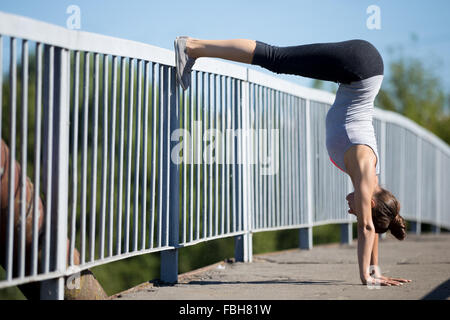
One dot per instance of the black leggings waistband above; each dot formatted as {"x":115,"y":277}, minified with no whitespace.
{"x":341,"y":62}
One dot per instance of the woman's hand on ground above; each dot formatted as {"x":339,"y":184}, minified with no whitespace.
{"x":395,"y":281}
{"x":384,"y":281}
{"x":376,"y":273}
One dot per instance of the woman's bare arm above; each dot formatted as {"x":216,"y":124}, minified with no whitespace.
{"x":374,"y":256}
{"x":360,"y":163}
{"x":366,"y":229}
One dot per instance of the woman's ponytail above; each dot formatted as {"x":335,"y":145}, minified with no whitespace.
{"x":398,"y":227}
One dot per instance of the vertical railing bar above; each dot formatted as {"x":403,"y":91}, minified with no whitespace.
{"x":252,"y":106}
{"x":258,"y":157}
{"x":260,"y":150}
{"x":227,"y":155}
{"x":260,"y":146}
{"x":153,"y":195}
{"x":105,"y":155}
{"x":268,"y":147}
{"x":1,"y":113}
{"x":84,"y":157}
{"x":94,"y":158}
{"x":233,"y":152}
{"x":291,"y":155}
{"x":210,"y":169}
{"x":184,"y":192}
{"x":283,"y":158}
{"x":273,"y":145}
{"x":256,"y":154}
{"x":265,"y":152}
{"x":251,"y":157}
{"x":222,"y":153}
{"x":49,"y":157}
{"x":273,"y":159}
{"x":144,"y":159}
{"x":137,"y":155}
{"x":37,"y":155}
{"x":12,"y":156}
{"x":170,"y":89}
{"x":310,"y":182}
{"x":191,"y":163}
{"x":287,"y":148}
{"x":23,"y":178}
{"x":240,"y":153}
{"x":54,"y":289}
{"x":254,"y":161}
{"x":112,"y":155}
{"x":216,"y":159}
{"x":205,"y":163}
{"x":232,"y":158}
{"x":265,"y":194}
{"x":199,"y":152}
{"x":73,"y":205}
{"x":291,"y":174}
{"x":296,"y":161}
{"x":235,"y":148}
{"x":121,"y":155}
{"x":280,"y":158}
{"x":161,"y":117}
{"x":287,"y":162}
{"x":278,"y":184}
{"x":129,"y":149}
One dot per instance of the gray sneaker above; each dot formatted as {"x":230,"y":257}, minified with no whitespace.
{"x":183,"y":62}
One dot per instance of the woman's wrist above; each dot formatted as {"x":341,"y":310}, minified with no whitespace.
{"x":375,"y":271}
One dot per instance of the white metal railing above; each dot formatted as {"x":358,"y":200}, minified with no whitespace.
{"x":100,"y":124}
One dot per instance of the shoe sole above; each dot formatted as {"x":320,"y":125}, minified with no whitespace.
{"x":177,"y":59}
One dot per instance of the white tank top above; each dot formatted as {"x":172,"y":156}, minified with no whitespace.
{"x":349,"y":120}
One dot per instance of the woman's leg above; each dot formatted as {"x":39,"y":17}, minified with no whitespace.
{"x":239,"y":50}
{"x":342,"y":62}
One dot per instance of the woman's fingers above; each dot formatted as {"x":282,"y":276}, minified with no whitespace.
{"x":396,"y":279}
{"x":400,"y":280}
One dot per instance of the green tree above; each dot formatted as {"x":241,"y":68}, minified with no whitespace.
{"x":414,"y":90}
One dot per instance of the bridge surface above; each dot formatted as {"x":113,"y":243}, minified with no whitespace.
{"x":325,"y":272}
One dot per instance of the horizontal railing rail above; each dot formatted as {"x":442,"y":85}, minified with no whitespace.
{"x":108,"y":158}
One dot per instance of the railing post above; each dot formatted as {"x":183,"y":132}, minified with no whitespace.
{"x":435,"y":228}
{"x":169,"y":258}
{"x":382,"y":160}
{"x":416,"y":225}
{"x":306,"y":234}
{"x":53,"y":289}
{"x":243,"y":243}
{"x":347,"y":233}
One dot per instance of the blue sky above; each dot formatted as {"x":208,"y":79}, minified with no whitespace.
{"x":282,"y":22}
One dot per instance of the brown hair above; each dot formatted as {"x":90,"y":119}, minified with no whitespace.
{"x":385,"y":215}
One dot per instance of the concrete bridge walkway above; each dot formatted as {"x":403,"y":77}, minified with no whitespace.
{"x":325,"y":272}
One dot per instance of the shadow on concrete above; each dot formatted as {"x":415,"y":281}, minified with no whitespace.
{"x":441,"y":292}
{"x":315,"y":282}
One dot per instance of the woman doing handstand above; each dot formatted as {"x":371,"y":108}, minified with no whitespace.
{"x":357,"y":67}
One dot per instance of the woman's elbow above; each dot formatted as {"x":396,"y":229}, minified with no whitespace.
{"x":366,"y":227}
